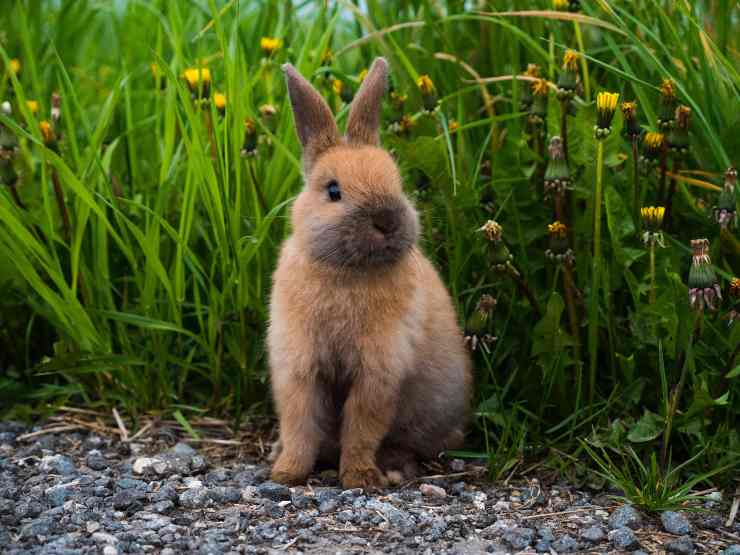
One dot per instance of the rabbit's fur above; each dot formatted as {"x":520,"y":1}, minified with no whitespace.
{"x":367,"y":362}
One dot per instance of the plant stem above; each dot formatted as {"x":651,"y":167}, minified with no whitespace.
{"x":663,"y":171}
{"x":673,"y":405}
{"x":593,"y":312}
{"x":16,"y":196}
{"x":636,"y":182}
{"x":652,"y":271}
{"x":525,"y":290}
{"x":671,"y":192}
{"x":59,"y":194}
{"x":584,"y":65}
{"x":564,"y":129}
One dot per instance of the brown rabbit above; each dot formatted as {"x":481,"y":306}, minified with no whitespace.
{"x":367,"y":360}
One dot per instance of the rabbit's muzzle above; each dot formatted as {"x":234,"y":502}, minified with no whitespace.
{"x":369,"y":236}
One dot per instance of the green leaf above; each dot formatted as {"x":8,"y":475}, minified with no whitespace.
{"x":733,"y":373}
{"x":647,"y":428}
{"x":185,"y":424}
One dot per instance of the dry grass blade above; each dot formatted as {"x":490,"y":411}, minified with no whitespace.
{"x":563,"y":16}
{"x":49,"y":430}
{"x":694,"y":182}
{"x":121,"y":425}
{"x":487,"y":98}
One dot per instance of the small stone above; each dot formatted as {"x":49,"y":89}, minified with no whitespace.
{"x":623,"y":538}
{"x":545,"y":532}
{"x":196,"y":498}
{"x":732,"y":550}
{"x":682,"y":545}
{"x":58,"y":464}
{"x":57,"y":495}
{"x":345,"y":516}
{"x":92,"y":527}
{"x":625,"y":516}
{"x":95,"y":460}
{"x":110,"y":550}
{"x":565,"y":544}
{"x":430,"y":490}
{"x":183,"y":450}
{"x":225,"y":494}
{"x":127,"y":499}
{"x":675,"y":523}
{"x":519,"y":538}
{"x":301,"y":501}
{"x":104,"y":537}
{"x":274,"y":491}
{"x":593,"y":534}
{"x":542,"y":546}
{"x":162,"y":507}
{"x":328,"y":505}
{"x":142,"y":464}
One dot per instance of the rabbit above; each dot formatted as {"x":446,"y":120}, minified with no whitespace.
{"x":368,"y":365}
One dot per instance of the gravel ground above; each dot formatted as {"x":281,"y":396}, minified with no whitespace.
{"x":78,"y":492}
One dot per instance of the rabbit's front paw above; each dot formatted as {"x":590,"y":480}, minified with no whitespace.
{"x":289,"y":474}
{"x":367,"y":477}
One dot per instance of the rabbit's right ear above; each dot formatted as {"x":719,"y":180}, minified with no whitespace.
{"x":314,"y":121}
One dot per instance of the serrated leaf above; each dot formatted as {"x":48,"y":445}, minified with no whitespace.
{"x":647,"y":428}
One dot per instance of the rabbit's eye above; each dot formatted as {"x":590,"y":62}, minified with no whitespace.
{"x":333,"y":190}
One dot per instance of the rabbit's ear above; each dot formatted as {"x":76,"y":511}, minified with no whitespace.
{"x":364,"y":115}
{"x":314,"y":121}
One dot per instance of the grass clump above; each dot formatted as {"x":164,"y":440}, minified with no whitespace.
{"x":563,"y":159}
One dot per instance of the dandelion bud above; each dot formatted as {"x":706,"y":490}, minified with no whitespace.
{"x":574,"y":5}
{"x":198,"y":81}
{"x":249,"y":147}
{"x":270,"y":45}
{"x":219,"y":101}
{"x":327,"y":57}
{"x":47,"y":133}
{"x":704,"y":287}
{"x":15,"y":66}
{"x":559,"y":250}
{"x":538,"y":108}
{"x":652,"y":221}
{"x":557,"y":174}
{"x":668,"y":103}
{"x":428,"y":94}
{"x":498,"y":254}
{"x":56,"y":107}
{"x":568,"y":79}
{"x":652,"y":148}
{"x":631,"y":128}
{"x":533,"y":71}
{"x":678,"y":137}
{"x":733,"y":292}
{"x":725,"y":213}
{"x":560,"y":4}
{"x":606,"y":106}
{"x":478,"y":324}
{"x":33,"y":106}
{"x":398,"y":100}
{"x":492,"y":230}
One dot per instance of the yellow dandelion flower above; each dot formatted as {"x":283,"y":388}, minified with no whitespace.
{"x":47,"y":132}
{"x":735,"y":287}
{"x":540,"y":87}
{"x":533,"y":70}
{"x":668,"y":88}
{"x":32,"y":106}
{"x":652,"y":217}
{"x":270,"y":45}
{"x":406,"y":123}
{"x":425,"y":84}
{"x":557,"y":229}
{"x":337,"y":86}
{"x":267,"y":110}
{"x":453,"y":126}
{"x":606,"y":105}
{"x":570,"y":60}
{"x":560,"y":4}
{"x":629,"y":109}
{"x":361,"y":76}
{"x":654,"y":140}
{"x":198,"y":80}
{"x":15,"y":66}
{"x":219,"y":101}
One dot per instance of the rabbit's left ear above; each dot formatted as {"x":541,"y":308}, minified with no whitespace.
{"x":364,"y":115}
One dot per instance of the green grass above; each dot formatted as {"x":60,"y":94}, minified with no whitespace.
{"x":155,"y":298}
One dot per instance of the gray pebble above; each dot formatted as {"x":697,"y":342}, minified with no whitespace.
{"x":58,"y":464}
{"x":519,"y":538}
{"x":196,"y":498}
{"x":593,"y":534}
{"x":732,"y":550}
{"x":625,"y":515}
{"x":328,"y":506}
{"x":675,"y":523}
{"x":682,"y":545}
{"x":565,"y":544}
{"x":95,"y":460}
{"x":276,"y":492}
{"x":623,"y":538}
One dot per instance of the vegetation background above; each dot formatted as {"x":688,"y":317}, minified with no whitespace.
{"x":142,"y":207}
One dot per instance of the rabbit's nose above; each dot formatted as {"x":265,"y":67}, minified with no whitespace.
{"x":386,"y":220}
